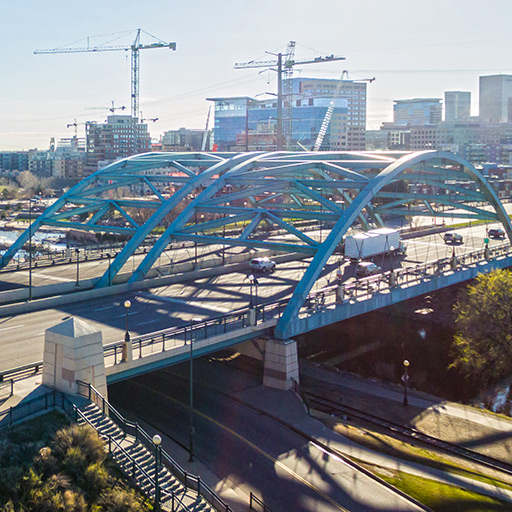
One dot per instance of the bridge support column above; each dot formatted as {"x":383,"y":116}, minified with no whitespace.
{"x":73,"y":350}
{"x":281,"y":364}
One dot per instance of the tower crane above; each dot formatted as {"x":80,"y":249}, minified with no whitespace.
{"x":135,"y":47}
{"x":330,"y":108}
{"x":152,"y":119}
{"x":76,"y":125}
{"x":284,"y":67}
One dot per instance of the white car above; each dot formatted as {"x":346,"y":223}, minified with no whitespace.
{"x":367,"y":268}
{"x":262,"y":265}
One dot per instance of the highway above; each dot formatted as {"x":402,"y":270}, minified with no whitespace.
{"x":22,"y":336}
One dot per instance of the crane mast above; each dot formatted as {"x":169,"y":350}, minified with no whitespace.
{"x":135,"y":47}
{"x":289,"y":63}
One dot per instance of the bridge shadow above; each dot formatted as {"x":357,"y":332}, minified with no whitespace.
{"x":239,"y":443}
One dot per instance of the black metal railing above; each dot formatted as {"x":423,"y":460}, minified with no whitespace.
{"x":257,"y":504}
{"x":316,"y":301}
{"x":188,"y":480}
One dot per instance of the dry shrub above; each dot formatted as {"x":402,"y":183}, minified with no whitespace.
{"x":120,"y":500}
{"x":82,"y":437}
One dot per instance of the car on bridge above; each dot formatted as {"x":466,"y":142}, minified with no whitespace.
{"x":367,"y":268}
{"x":453,"y":238}
{"x":262,"y":265}
{"x":496,"y":233}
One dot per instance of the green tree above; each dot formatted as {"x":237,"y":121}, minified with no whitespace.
{"x":482,"y":347}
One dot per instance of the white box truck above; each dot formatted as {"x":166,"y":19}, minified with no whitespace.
{"x":372,"y":243}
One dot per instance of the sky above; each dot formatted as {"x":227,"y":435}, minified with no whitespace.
{"x":413,"y":48}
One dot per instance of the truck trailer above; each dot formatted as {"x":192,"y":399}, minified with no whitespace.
{"x":372,"y":243}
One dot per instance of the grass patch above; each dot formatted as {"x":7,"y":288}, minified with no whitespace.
{"x":405,"y":451}
{"x":438,"y":496}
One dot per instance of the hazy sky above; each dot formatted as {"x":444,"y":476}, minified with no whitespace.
{"x":414,"y":49}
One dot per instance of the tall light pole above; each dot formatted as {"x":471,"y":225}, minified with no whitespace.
{"x":77,"y":252}
{"x":191,"y":392}
{"x":30,"y":249}
{"x":157,"y":441}
{"x":253,"y":300}
{"x":405,"y":379}
{"x":109,"y":279}
{"x":127,"y":345}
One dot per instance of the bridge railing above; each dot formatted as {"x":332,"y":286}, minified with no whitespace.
{"x":328,"y":297}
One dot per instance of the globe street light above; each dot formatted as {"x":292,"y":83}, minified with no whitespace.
{"x":253,"y":300}
{"x":405,"y":379}
{"x":77,"y":251}
{"x":127,"y":346}
{"x":157,"y":441}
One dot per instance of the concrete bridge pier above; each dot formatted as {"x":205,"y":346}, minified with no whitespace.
{"x":280,"y":364}
{"x":280,"y":360}
{"x":73,"y":350}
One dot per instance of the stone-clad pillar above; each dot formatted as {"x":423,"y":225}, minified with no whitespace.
{"x":73,"y":350}
{"x":281,"y":364}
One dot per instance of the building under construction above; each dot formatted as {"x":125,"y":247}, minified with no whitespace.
{"x":247,"y":124}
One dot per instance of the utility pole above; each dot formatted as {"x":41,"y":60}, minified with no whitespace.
{"x":286,"y":67}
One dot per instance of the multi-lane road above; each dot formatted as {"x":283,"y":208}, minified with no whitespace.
{"x":22,"y":336}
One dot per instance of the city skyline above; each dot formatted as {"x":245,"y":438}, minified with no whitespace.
{"x":412,"y":53}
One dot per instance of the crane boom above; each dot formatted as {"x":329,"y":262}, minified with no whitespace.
{"x":134,"y":48}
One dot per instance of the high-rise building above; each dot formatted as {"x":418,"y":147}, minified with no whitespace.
{"x":496,"y":98}
{"x":243,"y":123}
{"x":119,"y":137}
{"x":457,"y":105}
{"x":417,"y":111}
{"x":183,"y":139}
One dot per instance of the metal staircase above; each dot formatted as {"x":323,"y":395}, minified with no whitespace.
{"x":137,"y":456}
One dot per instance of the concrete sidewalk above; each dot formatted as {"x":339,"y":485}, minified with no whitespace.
{"x":286,"y":407}
{"x":439,"y":405}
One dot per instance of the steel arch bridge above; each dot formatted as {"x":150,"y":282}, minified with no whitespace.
{"x":272,"y":196}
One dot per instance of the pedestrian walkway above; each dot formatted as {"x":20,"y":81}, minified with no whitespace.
{"x":286,"y":407}
{"x":486,"y":419}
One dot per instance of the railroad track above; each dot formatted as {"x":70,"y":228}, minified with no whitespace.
{"x":333,"y":407}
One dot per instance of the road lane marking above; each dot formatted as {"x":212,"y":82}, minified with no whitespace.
{"x":148,"y":322}
{"x":106,"y":307}
{"x":257,"y":449}
{"x":13,"y":327}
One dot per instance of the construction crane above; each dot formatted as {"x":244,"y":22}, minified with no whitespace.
{"x":288,"y":65}
{"x":135,"y":47}
{"x":111,"y":109}
{"x":328,"y":113}
{"x":205,"y":133}
{"x":76,"y":125}
{"x":152,"y":119}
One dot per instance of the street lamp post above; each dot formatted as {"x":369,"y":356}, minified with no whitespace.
{"x":127,"y":345}
{"x":191,"y":391}
{"x":405,"y":379}
{"x":108,"y":257}
{"x":157,"y":441}
{"x":77,"y":252}
{"x":253,"y":300}
{"x":30,"y":249}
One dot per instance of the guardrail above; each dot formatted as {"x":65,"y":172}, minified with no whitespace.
{"x":188,"y":480}
{"x":336,"y":294}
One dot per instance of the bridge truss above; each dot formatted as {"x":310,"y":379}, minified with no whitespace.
{"x":276,"y":199}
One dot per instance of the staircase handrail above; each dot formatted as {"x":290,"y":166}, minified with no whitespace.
{"x":189,"y":480}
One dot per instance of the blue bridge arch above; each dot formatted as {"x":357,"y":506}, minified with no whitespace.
{"x":195,"y":196}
